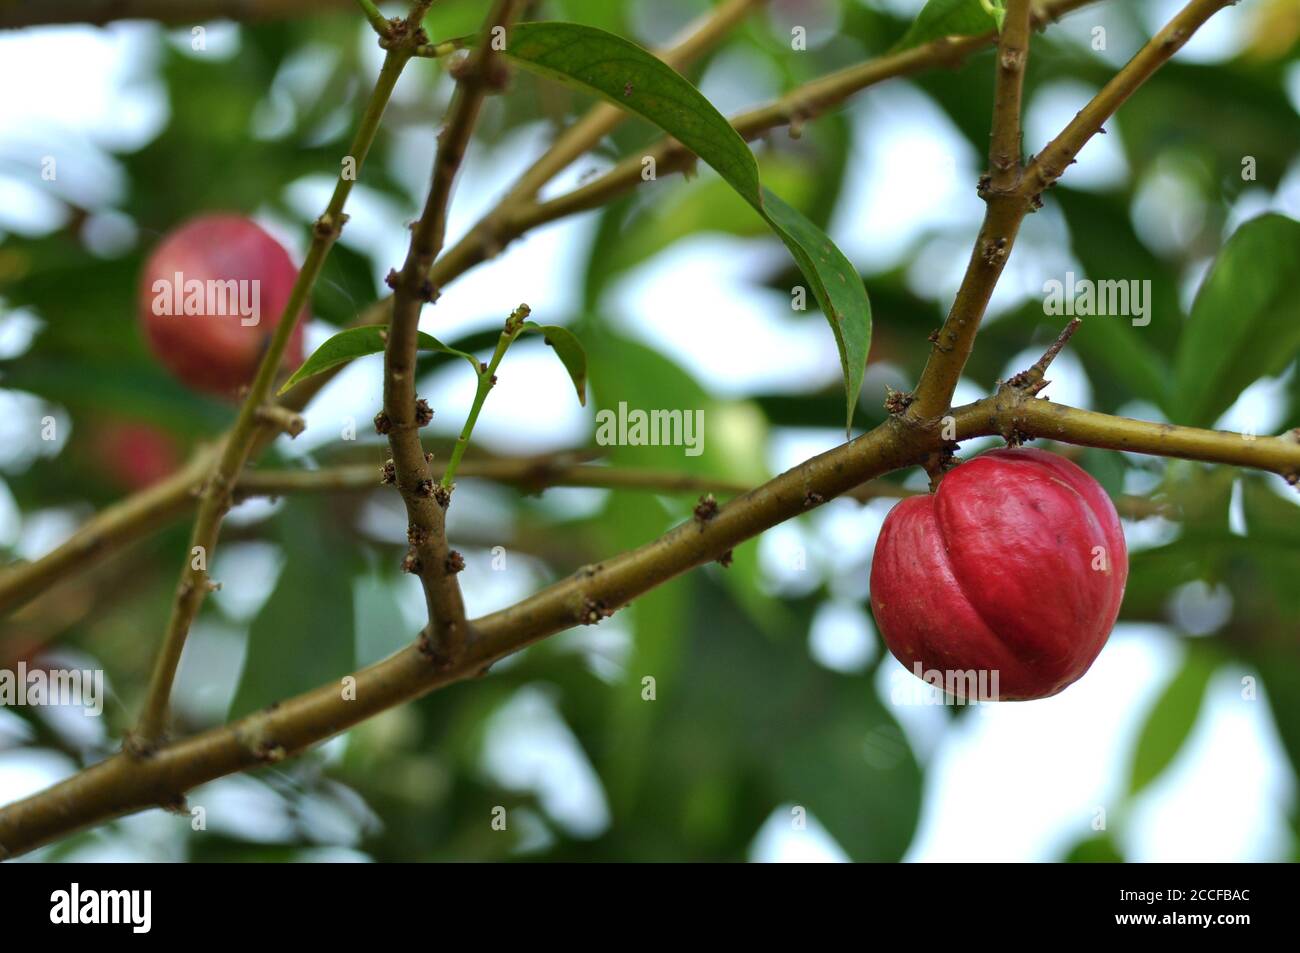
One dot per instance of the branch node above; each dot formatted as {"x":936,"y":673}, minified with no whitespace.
{"x":423,"y":413}
{"x":706,"y":509}
{"x":283,"y":419}
{"x":995,"y":251}
{"x":897,"y":401}
{"x":515,"y":322}
{"x":939,"y":462}
{"x":330,"y":226}
{"x":435,"y":654}
{"x":593,"y":611}
{"x":137,"y":746}
{"x":175,"y":804}
{"x":268,"y":752}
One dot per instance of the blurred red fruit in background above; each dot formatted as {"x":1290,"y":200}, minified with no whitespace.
{"x":211,"y":295}
{"x":135,"y":455}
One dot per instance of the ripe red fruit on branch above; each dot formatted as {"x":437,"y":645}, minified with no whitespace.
{"x":211,"y":295}
{"x":1015,"y":565}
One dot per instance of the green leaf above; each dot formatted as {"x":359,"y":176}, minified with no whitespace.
{"x":345,"y":286}
{"x":1172,"y":718}
{"x":358,"y":342}
{"x":837,"y":287}
{"x":706,"y":204}
{"x":997,"y":10}
{"x":637,"y":81}
{"x":1268,"y":515}
{"x":1281,"y":676}
{"x":1245,"y":323}
{"x":1098,"y":849}
{"x":304,"y":635}
{"x":569,"y":350}
{"x":733,"y":434}
{"x":940,"y":18}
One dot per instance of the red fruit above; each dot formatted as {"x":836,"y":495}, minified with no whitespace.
{"x":211,"y":295}
{"x":1016,"y":565}
{"x":135,"y":455}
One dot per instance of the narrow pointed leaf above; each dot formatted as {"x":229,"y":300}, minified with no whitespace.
{"x":940,"y":18}
{"x":635,"y":80}
{"x":1245,"y":321}
{"x":570,"y":352}
{"x":358,"y":342}
{"x":1171,"y":720}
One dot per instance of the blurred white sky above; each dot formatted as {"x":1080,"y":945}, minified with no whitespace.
{"x":1016,"y":782}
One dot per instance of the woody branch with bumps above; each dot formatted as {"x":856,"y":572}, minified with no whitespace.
{"x":921,"y":428}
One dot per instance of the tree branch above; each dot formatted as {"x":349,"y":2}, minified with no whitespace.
{"x":1008,"y":206}
{"x":1013,"y":52}
{"x":254,"y":417}
{"x":123,"y":523}
{"x":587,"y":132}
{"x":533,"y":475}
{"x":518,"y":214}
{"x":122,"y":785}
{"x":1048,"y":166}
{"x":1087,"y":428}
{"x":378,"y":22}
{"x":108,"y":532}
{"x":429,"y":557}
{"x":1005,"y":210}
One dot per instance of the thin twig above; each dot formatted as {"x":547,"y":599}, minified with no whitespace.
{"x":214,"y":500}
{"x":1013,"y":52}
{"x":1053,"y":160}
{"x":487,"y":379}
{"x":378,"y":22}
{"x":1006,"y":210}
{"x":1033,"y":376}
{"x":518,"y":214}
{"x":429,"y":556}
{"x":529,"y":474}
{"x":139,"y":516}
{"x":533,"y":475}
{"x":121,"y":785}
